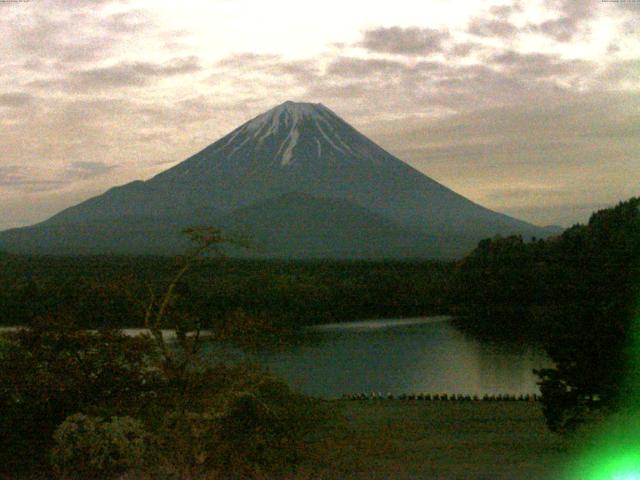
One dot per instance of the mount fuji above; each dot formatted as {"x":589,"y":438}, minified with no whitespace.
{"x":298,"y":180}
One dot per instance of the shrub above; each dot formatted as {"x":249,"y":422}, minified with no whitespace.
{"x":53,"y":370}
{"x":265,"y":429}
{"x":253,"y":426}
{"x":92,"y":447}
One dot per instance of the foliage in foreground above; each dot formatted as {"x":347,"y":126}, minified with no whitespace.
{"x":97,"y":404}
{"x":53,"y":370}
{"x":94,"y":447}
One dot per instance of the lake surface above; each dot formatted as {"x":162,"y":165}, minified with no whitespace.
{"x":415,"y":355}
{"x":404,"y":356}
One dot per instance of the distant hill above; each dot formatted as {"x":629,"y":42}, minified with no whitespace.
{"x":297,"y":179}
{"x":302,"y":226}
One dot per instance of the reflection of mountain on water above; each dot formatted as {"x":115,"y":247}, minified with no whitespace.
{"x":411,"y":356}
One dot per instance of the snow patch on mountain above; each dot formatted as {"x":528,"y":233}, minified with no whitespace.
{"x":289,"y":114}
{"x":284,"y":123}
{"x":291,"y":142}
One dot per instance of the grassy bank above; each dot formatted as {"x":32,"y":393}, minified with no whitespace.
{"x":440,"y":440}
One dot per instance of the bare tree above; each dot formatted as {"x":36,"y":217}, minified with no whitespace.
{"x":207,"y":241}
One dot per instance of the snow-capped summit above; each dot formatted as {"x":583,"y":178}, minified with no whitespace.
{"x":290,"y":113}
{"x":288,"y":117}
{"x":294,"y":111}
{"x":285,"y":118}
{"x":296,"y":166}
{"x":291,"y":133}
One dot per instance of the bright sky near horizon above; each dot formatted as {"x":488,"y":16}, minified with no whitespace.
{"x":529,"y":108}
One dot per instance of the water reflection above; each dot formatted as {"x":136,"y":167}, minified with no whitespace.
{"x":404,"y":356}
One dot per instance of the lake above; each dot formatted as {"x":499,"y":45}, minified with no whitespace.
{"x":414,"y":355}
{"x":398,"y":356}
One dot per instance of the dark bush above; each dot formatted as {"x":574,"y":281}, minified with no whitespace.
{"x":92,"y":447}
{"x":53,"y":370}
{"x":238,"y":422}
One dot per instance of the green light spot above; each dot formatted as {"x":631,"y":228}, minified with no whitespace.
{"x":627,"y":476}
{"x":612,"y":452}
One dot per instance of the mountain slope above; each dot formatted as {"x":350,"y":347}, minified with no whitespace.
{"x":302,"y":226}
{"x":294,"y":226}
{"x":129,"y":235}
{"x":295,"y":147}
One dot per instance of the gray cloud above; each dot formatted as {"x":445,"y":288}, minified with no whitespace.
{"x":13,"y":176}
{"x":128,"y":22}
{"x":120,"y":75}
{"x":576,"y":9}
{"x":487,"y":27}
{"x":496,"y":23}
{"x":303,"y":71}
{"x":250,"y":60}
{"x":88,"y":169}
{"x":55,"y":39}
{"x":405,"y":41}
{"x":507,"y":78}
{"x":137,"y":73}
{"x":191,"y":111}
{"x":246,"y":70}
{"x":46,"y":37}
{"x":462,"y":49}
{"x":268,"y":65}
{"x":359,"y":67}
{"x":573,"y":16}
{"x":617,"y":74}
{"x":505,"y":11}
{"x":15,"y":99}
{"x":537,"y":65}
{"x":563,"y":29}
{"x":10,"y":175}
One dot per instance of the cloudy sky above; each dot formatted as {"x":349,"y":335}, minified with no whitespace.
{"x":530,"y":108}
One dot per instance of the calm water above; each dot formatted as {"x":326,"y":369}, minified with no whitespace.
{"x":404,"y":356}
{"x":398,"y":356}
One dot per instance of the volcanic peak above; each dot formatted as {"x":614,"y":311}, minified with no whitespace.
{"x":284,"y":122}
